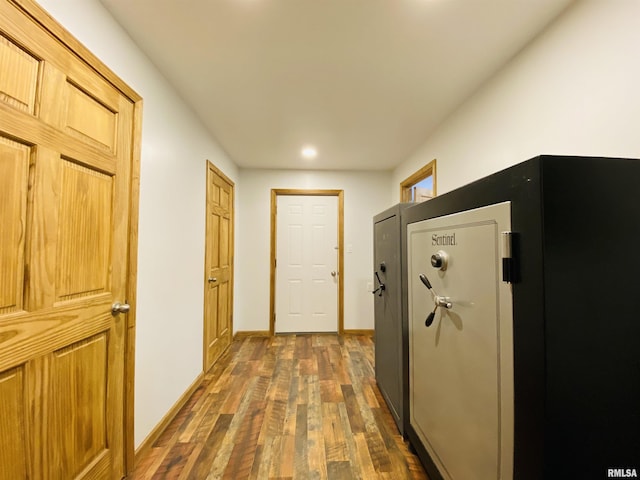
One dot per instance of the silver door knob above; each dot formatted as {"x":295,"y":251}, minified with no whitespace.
{"x":118,"y":307}
{"x":212,"y":279}
{"x":334,"y":273}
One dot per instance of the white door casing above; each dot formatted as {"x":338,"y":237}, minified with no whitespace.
{"x":306,"y":293}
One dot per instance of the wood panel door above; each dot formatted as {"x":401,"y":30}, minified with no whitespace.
{"x":66,"y":138}
{"x":218,"y":313}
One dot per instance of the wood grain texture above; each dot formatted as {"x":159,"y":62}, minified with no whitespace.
{"x":218,"y":281}
{"x":80,"y":105}
{"x":289,"y":406}
{"x":14,"y":169}
{"x":84,"y":234}
{"x":66,"y":162}
{"x":19,"y":78}
{"x":14,"y":452}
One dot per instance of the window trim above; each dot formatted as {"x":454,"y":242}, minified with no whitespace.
{"x":405,"y":186}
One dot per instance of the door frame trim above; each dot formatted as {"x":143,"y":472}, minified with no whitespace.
{"x":275,"y":192}
{"x":130,"y":340}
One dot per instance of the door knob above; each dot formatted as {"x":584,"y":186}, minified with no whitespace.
{"x":212,"y":279}
{"x":118,"y":307}
{"x":334,"y":273}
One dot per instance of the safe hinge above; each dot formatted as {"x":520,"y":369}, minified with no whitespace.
{"x":508,"y":261}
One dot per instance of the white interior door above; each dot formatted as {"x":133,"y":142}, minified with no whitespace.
{"x":306,"y":264}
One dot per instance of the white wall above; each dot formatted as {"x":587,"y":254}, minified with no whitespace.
{"x":365,"y":194}
{"x":172,"y":213}
{"x":573,"y":91}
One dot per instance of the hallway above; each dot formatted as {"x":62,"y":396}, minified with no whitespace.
{"x":291,"y":406}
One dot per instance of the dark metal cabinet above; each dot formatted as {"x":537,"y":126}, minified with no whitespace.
{"x":389,"y":358}
{"x":575,"y":296}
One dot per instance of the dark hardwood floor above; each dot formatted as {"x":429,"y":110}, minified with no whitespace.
{"x":285,"y":407}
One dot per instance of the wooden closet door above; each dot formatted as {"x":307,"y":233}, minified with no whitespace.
{"x":65,"y":151}
{"x":218,"y":296}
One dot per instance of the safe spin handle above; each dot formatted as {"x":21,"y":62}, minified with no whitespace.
{"x":437,"y":299}
{"x":430,"y":317}
{"x":424,"y":279}
{"x":381,"y":286}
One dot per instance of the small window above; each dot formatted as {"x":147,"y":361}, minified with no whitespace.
{"x":420,"y":186}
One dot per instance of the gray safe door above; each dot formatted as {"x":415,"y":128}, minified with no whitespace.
{"x":388,"y":315}
{"x":461,"y":366}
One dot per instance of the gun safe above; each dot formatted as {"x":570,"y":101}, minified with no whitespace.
{"x":523,"y":321}
{"x":390,"y":361}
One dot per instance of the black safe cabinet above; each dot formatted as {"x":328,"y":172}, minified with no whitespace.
{"x":522,"y":297}
{"x":388,"y":308}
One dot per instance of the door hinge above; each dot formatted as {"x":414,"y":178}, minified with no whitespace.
{"x":508,"y":261}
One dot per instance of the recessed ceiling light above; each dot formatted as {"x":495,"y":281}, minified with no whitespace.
{"x":309,"y":152}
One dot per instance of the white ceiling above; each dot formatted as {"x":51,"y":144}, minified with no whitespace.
{"x":365,"y":81}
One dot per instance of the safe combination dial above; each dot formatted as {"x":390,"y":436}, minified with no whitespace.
{"x":440,"y":260}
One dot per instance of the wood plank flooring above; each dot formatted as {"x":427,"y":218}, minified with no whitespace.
{"x":285,"y":407}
